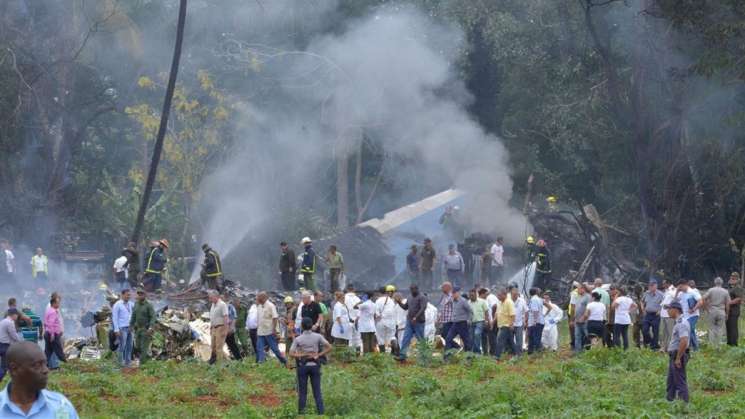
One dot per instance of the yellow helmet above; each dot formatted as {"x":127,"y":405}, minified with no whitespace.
{"x":103,"y":287}
{"x":289,"y":299}
{"x":530,"y":240}
{"x":551,"y":199}
{"x":390,"y":288}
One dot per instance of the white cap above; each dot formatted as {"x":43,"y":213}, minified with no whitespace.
{"x":306,"y":240}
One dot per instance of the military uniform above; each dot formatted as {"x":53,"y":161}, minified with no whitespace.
{"x":143,"y":320}
{"x":240,"y":328}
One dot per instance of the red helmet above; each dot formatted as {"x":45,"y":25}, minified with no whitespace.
{"x":541,"y":243}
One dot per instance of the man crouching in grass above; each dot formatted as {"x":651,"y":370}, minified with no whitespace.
{"x":678,"y":351}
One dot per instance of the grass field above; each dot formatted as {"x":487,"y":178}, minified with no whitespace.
{"x":601,"y":383}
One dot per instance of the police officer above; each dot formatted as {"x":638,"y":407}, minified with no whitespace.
{"x":211,"y":269}
{"x":307,"y":349}
{"x":677,"y":385}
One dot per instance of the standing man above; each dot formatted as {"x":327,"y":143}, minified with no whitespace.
{"x":211,"y":269}
{"x":412,"y":265}
{"x":308,"y":349}
{"x":219,"y":323}
{"x":8,"y":336}
{"x":335,"y":262}
{"x":497,"y":260}
{"x":506,"y":324}
{"x":26,"y":395}
{"x":736,"y":295}
{"x":570,"y":312}
{"x":580,"y":323}
{"x":252,"y":324}
{"x":287,"y":267}
{"x":521,"y":318}
{"x":462,"y":314}
{"x":691,"y":301}
{"x":445,"y":309}
{"x":10,"y":260}
{"x":308,"y":265}
{"x":427,"y":261}
{"x":454,"y":266}
{"x":677,"y":385}
{"x":416,"y":306}
{"x":40,"y":265}
{"x":536,"y":322}
{"x":240,"y":325}
{"x":716,"y":301}
{"x":121,"y":316}
{"x":120,"y":271}
{"x":142,"y":323}
{"x":651,"y":303}
{"x":230,"y":338}
{"x":155,"y":265}
{"x":480,"y":314}
{"x":133,"y":264}
{"x":267,"y":331}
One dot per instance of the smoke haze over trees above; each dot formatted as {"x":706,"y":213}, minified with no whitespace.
{"x":334,"y":112}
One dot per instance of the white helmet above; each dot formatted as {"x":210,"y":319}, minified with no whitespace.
{"x":306,"y":240}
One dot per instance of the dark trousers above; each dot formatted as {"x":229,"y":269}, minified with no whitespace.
{"x":368,"y":342}
{"x":427,"y":279}
{"x":596,"y":328}
{"x":571,"y":334}
{"x":288,"y":280}
{"x":489,"y":341}
{"x":651,"y":324}
{"x":621,"y":331}
{"x":608,"y":335}
{"x":3,"y":359}
{"x":505,"y":341}
{"x":334,"y":274}
{"x":233,"y":346}
{"x":677,"y":384}
{"x":733,"y":333}
{"x":535,"y":333}
{"x":53,"y":347}
{"x":312,"y":372}
{"x":252,"y":336}
{"x":457,"y":329}
{"x":455,"y":277}
{"x":152,"y":281}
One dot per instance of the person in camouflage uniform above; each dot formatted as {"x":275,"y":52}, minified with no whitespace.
{"x":240,"y":326}
{"x":142,"y":322}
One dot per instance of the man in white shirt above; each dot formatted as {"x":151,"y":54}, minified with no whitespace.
{"x":454,"y":266}
{"x":497,"y":260}
{"x":386,"y":320}
{"x":366,"y":322}
{"x":266,"y":333}
{"x":535,"y":321}
{"x":10,"y":260}
{"x":690,"y":299}
{"x":521,"y":314}
{"x":252,"y":324}
{"x":351,"y":300}
{"x":120,"y":271}
{"x":666,"y":322}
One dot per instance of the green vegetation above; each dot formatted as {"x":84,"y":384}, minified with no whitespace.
{"x":599,"y":383}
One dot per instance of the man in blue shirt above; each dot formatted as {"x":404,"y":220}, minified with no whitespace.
{"x":121,"y":315}
{"x":26,"y":395}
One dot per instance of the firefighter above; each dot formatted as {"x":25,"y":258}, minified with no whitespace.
{"x":308,"y":265}
{"x":531,"y":249}
{"x":542,"y":263}
{"x":155,"y":264}
{"x":551,"y":201}
{"x":211,"y":269}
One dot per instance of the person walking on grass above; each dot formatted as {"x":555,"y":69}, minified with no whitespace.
{"x":716,"y":301}
{"x":623,"y":305}
{"x":342,"y":328}
{"x":266,"y":333}
{"x":690,"y":299}
{"x":478,"y":319}
{"x":580,"y":324}
{"x":8,"y":336}
{"x":219,"y":323}
{"x":536,"y":322}
{"x":461,"y":316}
{"x":230,"y":340}
{"x":366,"y":322}
{"x":53,"y":331}
{"x":308,"y":349}
{"x":505,"y":324}
{"x":521,"y":318}
{"x":415,"y":308}
{"x":595,"y":317}
{"x":677,"y":349}
{"x":666,"y":322}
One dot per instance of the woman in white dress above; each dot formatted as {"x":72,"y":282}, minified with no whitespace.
{"x":552,"y":317}
{"x":342,"y":328}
